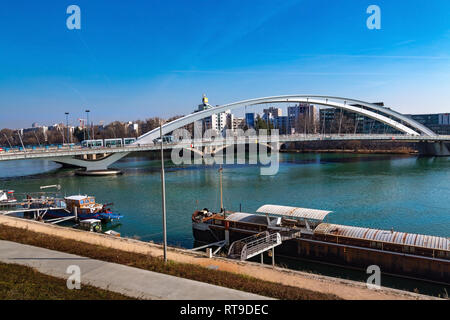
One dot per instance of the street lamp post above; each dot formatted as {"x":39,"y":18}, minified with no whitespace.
{"x":163,"y":194}
{"x":87,"y":120}
{"x":21,"y":141}
{"x":67,"y":126}
{"x":7,"y":139}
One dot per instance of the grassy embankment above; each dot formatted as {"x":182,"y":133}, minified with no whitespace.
{"x":183,"y":270}
{"x":24,"y":283}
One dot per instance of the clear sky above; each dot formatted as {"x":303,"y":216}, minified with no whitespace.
{"x":136,"y":59}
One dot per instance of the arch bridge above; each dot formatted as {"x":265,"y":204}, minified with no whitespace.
{"x":385,"y":115}
{"x":429,"y":142}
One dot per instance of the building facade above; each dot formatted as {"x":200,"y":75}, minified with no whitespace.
{"x":439,"y":123}
{"x":218,"y":122}
{"x":250,"y":119}
{"x":238,"y":123}
{"x":342,"y":121}
{"x":281,"y":123}
{"x":302,"y":115}
{"x":271,"y":113}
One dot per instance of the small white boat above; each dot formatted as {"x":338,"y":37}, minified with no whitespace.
{"x":7,"y":198}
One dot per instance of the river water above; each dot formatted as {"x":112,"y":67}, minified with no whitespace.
{"x":406,"y":193}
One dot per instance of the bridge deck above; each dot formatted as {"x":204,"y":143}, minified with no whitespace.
{"x":77,"y":151}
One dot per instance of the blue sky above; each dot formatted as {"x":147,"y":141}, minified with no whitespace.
{"x":137,"y":59}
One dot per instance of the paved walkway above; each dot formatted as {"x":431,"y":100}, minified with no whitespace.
{"x":129,"y":281}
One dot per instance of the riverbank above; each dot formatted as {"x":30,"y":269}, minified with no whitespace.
{"x":25,"y":283}
{"x":245,"y":276}
{"x":357,"y":147}
{"x":143,"y":255}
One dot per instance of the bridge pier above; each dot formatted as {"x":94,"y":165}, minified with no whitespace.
{"x":434,"y":149}
{"x":93,"y":164}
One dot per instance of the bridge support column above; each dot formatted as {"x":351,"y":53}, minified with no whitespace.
{"x":273,"y":257}
{"x":91,"y":165}
{"x":434,"y":149}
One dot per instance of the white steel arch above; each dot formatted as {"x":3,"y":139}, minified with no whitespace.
{"x":368,"y":109}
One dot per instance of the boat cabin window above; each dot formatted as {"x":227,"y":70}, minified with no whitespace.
{"x":275,"y":221}
{"x":289,"y":222}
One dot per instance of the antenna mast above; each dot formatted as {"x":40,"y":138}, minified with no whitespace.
{"x":221,"y":191}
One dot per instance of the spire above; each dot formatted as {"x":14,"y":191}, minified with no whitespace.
{"x":205,"y":99}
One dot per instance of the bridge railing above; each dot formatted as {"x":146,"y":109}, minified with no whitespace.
{"x":217,"y":141}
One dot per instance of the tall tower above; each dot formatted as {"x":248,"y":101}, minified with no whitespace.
{"x":205,"y":99}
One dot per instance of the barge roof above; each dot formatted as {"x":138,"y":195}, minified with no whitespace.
{"x":76,"y":198}
{"x":294,"y":212}
{"x":401,"y":238}
{"x":247,"y":217}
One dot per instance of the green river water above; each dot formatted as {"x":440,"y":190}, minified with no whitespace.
{"x":406,"y":193}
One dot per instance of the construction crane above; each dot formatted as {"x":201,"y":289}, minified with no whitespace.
{"x":82,"y":122}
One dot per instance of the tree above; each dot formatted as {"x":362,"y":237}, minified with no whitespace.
{"x":7,"y":138}
{"x":79,"y":134}
{"x":305,"y":123}
{"x":262,"y":124}
{"x":150,"y":124}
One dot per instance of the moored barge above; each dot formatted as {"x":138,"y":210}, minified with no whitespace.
{"x":82,"y":207}
{"x":305,"y":235}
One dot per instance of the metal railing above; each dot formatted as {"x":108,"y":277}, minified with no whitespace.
{"x":289,"y":234}
{"x":252,"y":246}
{"x":42,"y":152}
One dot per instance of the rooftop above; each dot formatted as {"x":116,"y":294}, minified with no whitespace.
{"x":247,"y":217}
{"x":76,"y":198}
{"x":296,"y":212}
{"x":411,"y":239}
